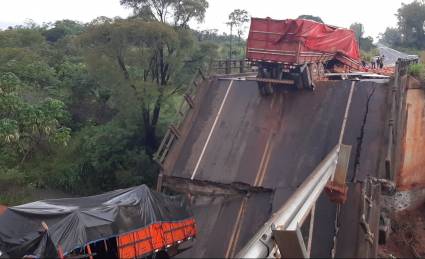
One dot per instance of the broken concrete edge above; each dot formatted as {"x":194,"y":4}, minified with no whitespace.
{"x":208,"y":188}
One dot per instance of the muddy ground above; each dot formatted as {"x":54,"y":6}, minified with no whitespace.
{"x":407,"y":238}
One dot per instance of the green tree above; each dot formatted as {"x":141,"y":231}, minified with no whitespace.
{"x":28,"y":66}
{"x":311,"y":17}
{"x":411,"y":22}
{"x":358,"y":29}
{"x":392,"y":37}
{"x":27,"y":128}
{"x":237,"y":19}
{"x":61,"y":29}
{"x":365,"y":43}
{"x":177,"y":12}
{"x":410,"y":27}
{"x":148,"y":57}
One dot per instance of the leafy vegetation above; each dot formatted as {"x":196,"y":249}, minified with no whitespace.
{"x":83,"y":106}
{"x":366,"y":43}
{"x":409,"y":33}
{"x":418,"y":71}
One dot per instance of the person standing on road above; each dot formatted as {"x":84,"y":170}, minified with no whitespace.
{"x":382,"y":61}
{"x":378,"y":62}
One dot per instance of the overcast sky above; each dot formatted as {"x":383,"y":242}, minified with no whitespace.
{"x":375,"y":15}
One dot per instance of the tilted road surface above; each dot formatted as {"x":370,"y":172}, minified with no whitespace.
{"x":392,"y":55}
{"x":275,"y":142}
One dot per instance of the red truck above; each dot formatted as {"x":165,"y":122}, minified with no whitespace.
{"x":297,"y":52}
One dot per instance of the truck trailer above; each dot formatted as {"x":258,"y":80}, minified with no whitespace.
{"x":297,"y":52}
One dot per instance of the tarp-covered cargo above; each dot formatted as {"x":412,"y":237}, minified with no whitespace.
{"x":140,"y":221}
{"x":298,"y":41}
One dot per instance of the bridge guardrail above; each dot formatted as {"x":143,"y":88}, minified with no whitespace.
{"x":231,"y":66}
{"x":173,"y":131}
{"x":282,"y":232}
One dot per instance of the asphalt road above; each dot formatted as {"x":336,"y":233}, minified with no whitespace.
{"x":391,"y":55}
{"x":275,"y":142}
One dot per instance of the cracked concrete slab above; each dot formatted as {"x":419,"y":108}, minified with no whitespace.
{"x":275,"y":143}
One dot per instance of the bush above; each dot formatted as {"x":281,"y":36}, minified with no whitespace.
{"x":418,"y":71}
{"x":368,"y":56}
{"x":422,"y":57}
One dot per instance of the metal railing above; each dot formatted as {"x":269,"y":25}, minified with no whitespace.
{"x":285,"y":223}
{"x":231,"y":66}
{"x":173,"y":131}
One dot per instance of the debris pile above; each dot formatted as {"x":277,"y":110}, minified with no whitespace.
{"x":407,"y":238}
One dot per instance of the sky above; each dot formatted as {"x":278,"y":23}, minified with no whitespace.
{"x":375,"y":15}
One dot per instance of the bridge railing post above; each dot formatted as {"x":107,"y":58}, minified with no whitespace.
{"x":242,"y":66}
{"x":228,"y":67}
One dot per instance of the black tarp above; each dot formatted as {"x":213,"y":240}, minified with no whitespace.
{"x":75,"y":222}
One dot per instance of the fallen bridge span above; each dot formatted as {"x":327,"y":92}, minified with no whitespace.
{"x":234,"y":135}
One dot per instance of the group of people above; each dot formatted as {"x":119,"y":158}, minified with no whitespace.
{"x":378,"y":62}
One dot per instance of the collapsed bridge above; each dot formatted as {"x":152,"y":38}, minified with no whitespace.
{"x":241,"y":156}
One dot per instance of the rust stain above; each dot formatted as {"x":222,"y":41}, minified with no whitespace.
{"x":412,"y":174}
{"x":2,"y":209}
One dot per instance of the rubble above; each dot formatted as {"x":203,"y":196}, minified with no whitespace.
{"x":407,"y":237}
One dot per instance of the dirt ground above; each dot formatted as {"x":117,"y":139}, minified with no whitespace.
{"x":407,"y":238}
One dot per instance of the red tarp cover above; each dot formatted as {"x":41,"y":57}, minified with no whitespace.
{"x":280,"y":36}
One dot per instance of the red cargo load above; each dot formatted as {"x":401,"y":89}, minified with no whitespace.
{"x":299,"y":41}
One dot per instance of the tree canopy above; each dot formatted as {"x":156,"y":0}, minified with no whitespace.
{"x":83,"y":106}
{"x":176,"y":12}
{"x":409,"y":32}
{"x":366,"y":43}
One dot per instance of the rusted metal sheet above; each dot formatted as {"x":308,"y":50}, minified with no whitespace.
{"x":412,"y":173}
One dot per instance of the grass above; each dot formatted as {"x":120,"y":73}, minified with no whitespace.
{"x":417,"y":71}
